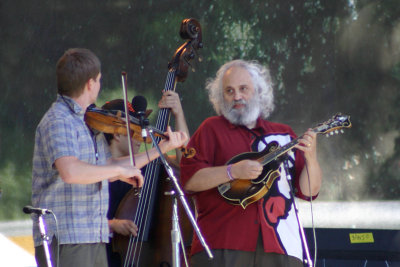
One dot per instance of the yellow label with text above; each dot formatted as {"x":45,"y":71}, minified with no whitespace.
{"x":361,"y":238}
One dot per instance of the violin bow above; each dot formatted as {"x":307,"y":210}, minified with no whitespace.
{"x":127,"y":119}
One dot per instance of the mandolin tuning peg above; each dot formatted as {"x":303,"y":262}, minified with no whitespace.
{"x":341,"y":131}
{"x":336,"y":131}
{"x":332,"y":133}
{"x":327,"y":135}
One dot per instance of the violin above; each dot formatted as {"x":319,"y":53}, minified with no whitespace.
{"x":114,"y":122}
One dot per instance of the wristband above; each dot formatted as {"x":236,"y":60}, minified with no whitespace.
{"x":228,"y":171}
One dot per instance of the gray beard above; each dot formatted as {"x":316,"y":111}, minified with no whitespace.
{"x":245,"y":116}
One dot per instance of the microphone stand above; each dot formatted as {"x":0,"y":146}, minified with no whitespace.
{"x":45,"y":239}
{"x":307,"y":260}
{"x":175,"y":231}
{"x":178,"y":193}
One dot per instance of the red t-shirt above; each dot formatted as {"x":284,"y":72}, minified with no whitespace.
{"x":227,"y":226}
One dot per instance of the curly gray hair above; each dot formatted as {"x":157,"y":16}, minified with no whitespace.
{"x":261,"y":81}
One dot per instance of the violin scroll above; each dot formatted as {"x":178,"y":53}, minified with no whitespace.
{"x":188,"y":152}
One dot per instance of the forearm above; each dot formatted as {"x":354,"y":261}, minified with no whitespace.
{"x":181,"y":125}
{"x":311,"y":178}
{"x":211,"y":177}
{"x":141,"y":159}
{"x":74,"y":171}
{"x":144,"y":158}
{"x":207,"y":178}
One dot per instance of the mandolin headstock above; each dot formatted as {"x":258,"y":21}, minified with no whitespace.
{"x":334,"y":125}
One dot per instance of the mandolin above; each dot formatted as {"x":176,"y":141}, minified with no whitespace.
{"x":244,"y":192}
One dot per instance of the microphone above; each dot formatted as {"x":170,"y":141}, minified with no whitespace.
{"x":139,"y":104}
{"x":38,"y":211}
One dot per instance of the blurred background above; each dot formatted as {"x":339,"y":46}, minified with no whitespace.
{"x":325,"y":57}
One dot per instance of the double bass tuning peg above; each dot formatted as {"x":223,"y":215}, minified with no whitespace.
{"x":190,"y":65}
{"x":191,"y":56}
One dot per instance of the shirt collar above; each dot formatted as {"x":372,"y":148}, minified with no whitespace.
{"x":73,"y":106}
{"x":233,"y":126}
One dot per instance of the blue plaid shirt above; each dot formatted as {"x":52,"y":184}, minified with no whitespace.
{"x":80,"y":209}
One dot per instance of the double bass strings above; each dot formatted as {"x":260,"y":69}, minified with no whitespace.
{"x":145,"y":198}
{"x":162,"y":123}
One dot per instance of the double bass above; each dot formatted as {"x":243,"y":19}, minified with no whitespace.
{"x":148,"y":207}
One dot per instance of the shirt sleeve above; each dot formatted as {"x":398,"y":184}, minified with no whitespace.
{"x":60,"y":139}
{"x":202,"y":140}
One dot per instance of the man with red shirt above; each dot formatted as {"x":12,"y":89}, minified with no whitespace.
{"x":266,"y":232}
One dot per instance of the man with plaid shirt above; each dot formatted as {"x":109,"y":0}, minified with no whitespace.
{"x":72,"y":166}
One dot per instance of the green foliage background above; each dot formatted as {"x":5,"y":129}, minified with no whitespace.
{"x":325,"y":57}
